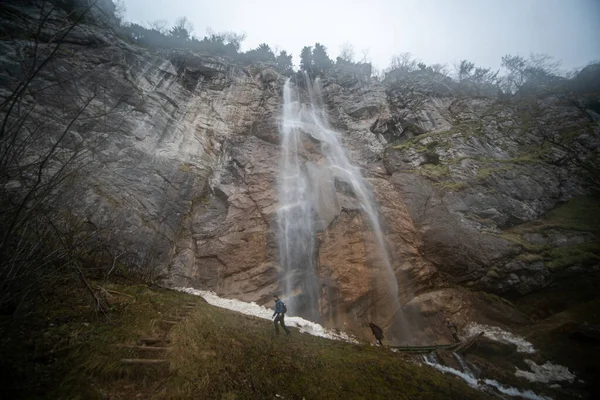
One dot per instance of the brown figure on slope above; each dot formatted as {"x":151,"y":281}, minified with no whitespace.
{"x":377,"y":332}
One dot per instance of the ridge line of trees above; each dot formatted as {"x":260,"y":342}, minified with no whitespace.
{"x":516,"y":71}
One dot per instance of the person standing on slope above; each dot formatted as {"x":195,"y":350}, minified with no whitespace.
{"x":453,"y":330}
{"x":279,"y":314}
{"x":377,"y":332}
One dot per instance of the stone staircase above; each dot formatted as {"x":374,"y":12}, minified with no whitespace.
{"x":152,"y":350}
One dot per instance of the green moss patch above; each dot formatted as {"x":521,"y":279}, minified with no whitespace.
{"x":578,"y":214}
{"x":584,"y":254}
{"x":433,"y":171}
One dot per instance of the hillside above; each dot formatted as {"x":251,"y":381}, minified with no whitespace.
{"x":72,"y":352}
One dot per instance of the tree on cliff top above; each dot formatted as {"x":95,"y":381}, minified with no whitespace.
{"x":306,"y":59}
{"x":315,"y":60}
{"x":262,"y":53}
{"x":182,"y":29}
{"x":321,"y":61}
{"x":284,"y":63}
{"x":346,"y":53}
{"x":538,"y":69}
{"x":403,"y":63}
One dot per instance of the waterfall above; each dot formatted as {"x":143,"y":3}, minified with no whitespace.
{"x":296,"y":236}
{"x":307,"y":195}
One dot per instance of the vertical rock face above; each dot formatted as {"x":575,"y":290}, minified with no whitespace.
{"x":190,"y":165}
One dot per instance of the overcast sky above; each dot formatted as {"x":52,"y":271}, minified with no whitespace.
{"x":434,"y":31}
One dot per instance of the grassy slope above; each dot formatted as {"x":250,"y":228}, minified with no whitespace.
{"x":63,"y":350}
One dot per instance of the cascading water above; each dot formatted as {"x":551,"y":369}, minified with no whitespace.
{"x":306,"y":187}
{"x":296,"y":228}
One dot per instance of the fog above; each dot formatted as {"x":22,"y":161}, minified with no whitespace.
{"x":434,"y":31}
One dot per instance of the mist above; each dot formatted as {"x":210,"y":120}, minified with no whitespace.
{"x":434,"y":31}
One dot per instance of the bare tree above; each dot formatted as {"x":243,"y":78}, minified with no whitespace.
{"x":520,"y":70}
{"x":184,"y":23}
{"x":227,"y":37}
{"x":50,"y":124}
{"x":464,"y":70}
{"x":439,"y":68}
{"x":365,"y":55}
{"x":346,"y":52}
{"x":403,"y":62}
{"x":160,"y":25}
{"x":120,"y":10}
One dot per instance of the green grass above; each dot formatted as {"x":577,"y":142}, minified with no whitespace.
{"x":466,"y":129}
{"x":484,"y":173}
{"x":517,"y":239}
{"x":433,"y":171}
{"x":579,"y":214}
{"x":584,"y":254}
{"x":529,"y":258}
{"x":220,"y":352}
{"x":186,"y":167}
{"x":60,"y":348}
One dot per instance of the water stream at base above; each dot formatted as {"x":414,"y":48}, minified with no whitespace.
{"x":304,"y":186}
{"x":485,"y":385}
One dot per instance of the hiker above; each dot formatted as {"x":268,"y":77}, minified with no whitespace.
{"x":279,"y":314}
{"x":377,"y":332}
{"x":453,"y":329}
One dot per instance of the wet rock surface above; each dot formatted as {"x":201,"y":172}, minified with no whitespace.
{"x":464,"y":182}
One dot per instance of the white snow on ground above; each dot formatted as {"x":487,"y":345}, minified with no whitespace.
{"x":500,"y":335}
{"x":484,"y":385}
{"x":514,"y":392}
{"x":545,"y":373}
{"x":259,"y":311}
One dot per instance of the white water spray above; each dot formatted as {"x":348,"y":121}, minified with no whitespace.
{"x":485,"y":385}
{"x":305,"y":187}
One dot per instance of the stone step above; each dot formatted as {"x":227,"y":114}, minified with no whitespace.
{"x":143,"y":361}
{"x":166,"y":324}
{"x":153,"y":340}
{"x":143,"y":352}
{"x":144,"y":348}
{"x":167,"y":321}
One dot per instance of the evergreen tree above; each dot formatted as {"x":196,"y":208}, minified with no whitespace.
{"x":262,"y":53}
{"x":284,"y":63}
{"x":320,"y":59}
{"x":306,"y":59}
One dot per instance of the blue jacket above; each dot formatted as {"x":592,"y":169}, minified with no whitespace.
{"x":278,"y":307}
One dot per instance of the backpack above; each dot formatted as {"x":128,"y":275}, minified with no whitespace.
{"x":283,"y":307}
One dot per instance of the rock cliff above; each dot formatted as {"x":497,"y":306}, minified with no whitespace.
{"x":467,"y":183}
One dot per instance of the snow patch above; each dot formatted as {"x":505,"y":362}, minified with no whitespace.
{"x":261,"y":312}
{"x":514,"y":392}
{"x":545,"y":373}
{"x":485,"y":385}
{"x":500,"y":335}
